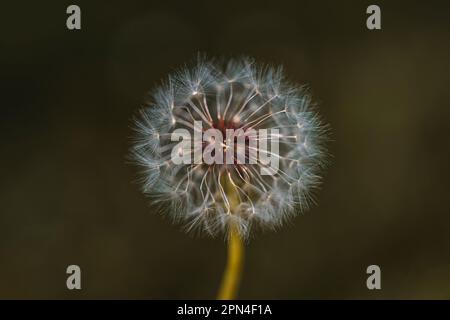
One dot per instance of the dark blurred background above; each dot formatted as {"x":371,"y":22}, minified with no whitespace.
{"x":67,"y":195}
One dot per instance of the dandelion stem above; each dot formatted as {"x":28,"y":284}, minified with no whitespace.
{"x":232,"y":274}
{"x":233,"y":269}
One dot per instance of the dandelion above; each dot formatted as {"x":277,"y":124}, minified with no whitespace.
{"x":267,"y":133}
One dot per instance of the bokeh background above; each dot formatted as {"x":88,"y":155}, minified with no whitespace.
{"x":67,"y":194}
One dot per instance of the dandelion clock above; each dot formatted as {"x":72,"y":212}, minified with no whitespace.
{"x":225,"y":147}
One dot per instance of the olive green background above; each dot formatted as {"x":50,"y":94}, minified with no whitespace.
{"x":67,"y":194}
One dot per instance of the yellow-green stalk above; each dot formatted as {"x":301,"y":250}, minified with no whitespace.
{"x":233,"y":270}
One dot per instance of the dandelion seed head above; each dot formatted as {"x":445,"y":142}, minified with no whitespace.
{"x":239,"y":94}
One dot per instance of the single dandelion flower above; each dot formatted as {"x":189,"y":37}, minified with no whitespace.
{"x":227,"y":146}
